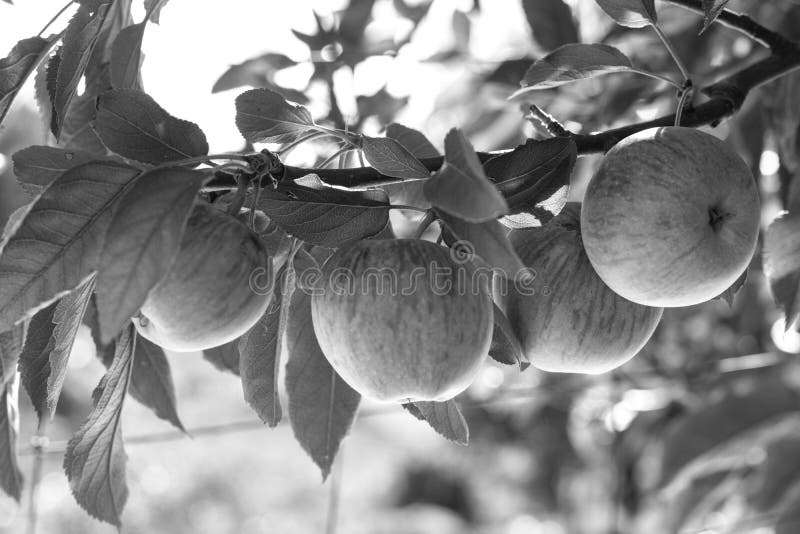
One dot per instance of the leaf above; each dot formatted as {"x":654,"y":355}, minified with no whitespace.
{"x":631,"y":13}
{"x":18,"y":66}
{"x":444,"y":417}
{"x":780,"y":471}
{"x":711,"y":10}
{"x":729,"y":293}
{"x":487,"y":240}
{"x":260,"y":354}
{"x":10,"y":475}
{"x":323,"y":215}
{"x":51,"y":334}
{"x":225,"y":357}
{"x":58,"y":243}
{"x":413,"y":140}
{"x":782,"y":264}
{"x":11,"y":342}
{"x":696,"y":442}
{"x":264,"y":116}
{"x":77,"y":132}
{"x":551,"y":22}
{"x":80,"y":38}
{"x":95,"y":458}
{"x":41,"y":165}
{"x":506,"y":348}
{"x":322,"y":407}
{"x":153,"y":8}
{"x":126,"y":57}
{"x":460,"y":187}
{"x":257,"y":72}
{"x":142,"y":241}
{"x":573,"y":62}
{"x":390,"y":158}
{"x":151,"y":381}
{"x":133,"y":125}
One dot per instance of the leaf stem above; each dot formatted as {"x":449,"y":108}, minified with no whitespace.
{"x":335,"y":155}
{"x":660,"y":77}
{"x":409,"y":208}
{"x":426,"y":221}
{"x":288,"y":147}
{"x":684,"y":97}
{"x":55,"y":17}
{"x":672,"y":52}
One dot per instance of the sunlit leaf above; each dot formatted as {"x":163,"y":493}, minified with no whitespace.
{"x":631,"y":13}
{"x":506,"y":347}
{"x":390,"y":158}
{"x":95,"y":459}
{"x":444,"y":417}
{"x":18,"y":65}
{"x":551,"y":22}
{"x":414,"y":141}
{"x":151,"y":381}
{"x":711,"y":10}
{"x":265,"y":116}
{"x":225,"y":357}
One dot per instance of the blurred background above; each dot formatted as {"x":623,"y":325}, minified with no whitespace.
{"x":700,"y":433}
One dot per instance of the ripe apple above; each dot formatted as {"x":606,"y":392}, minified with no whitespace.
{"x":401,"y":319}
{"x":206,"y":299}
{"x":670,"y":217}
{"x":567,"y":319}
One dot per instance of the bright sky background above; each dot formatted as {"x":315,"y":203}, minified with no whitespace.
{"x":198,"y":39}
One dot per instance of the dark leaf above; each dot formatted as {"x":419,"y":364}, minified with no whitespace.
{"x":41,"y":165}
{"x":390,"y":158}
{"x":153,"y":8}
{"x":11,"y":342}
{"x":779,"y":472}
{"x":80,"y":38}
{"x":630,"y":13}
{"x":322,"y":407}
{"x":510,"y":71}
{"x":95,"y":458}
{"x":354,"y":21}
{"x":460,"y":187}
{"x":444,"y":417}
{"x":413,"y":140}
{"x":133,"y":125}
{"x":551,"y":22}
{"x":77,"y":132}
{"x":535,"y":175}
{"x":322,"y":38}
{"x":126,"y":58}
{"x":323,"y":215}
{"x":18,"y":65}
{"x":711,"y":10}
{"x":265,"y":116}
{"x":573,"y":62}
{"x":782,"y":264}
{"x":257,"y":72}
{"x":59,"y":242}
{"x":488,"y":241}
{"x":260,"y":353}
{"x":142,"y":241}
{"x":151,"y":381}
{"x":225,"y":357}
{"x":730,"y":293}
{"x":10,"y":475}
{"x":506,"y":347}
{"x":51,"y":334}
{"x":381,"y":104}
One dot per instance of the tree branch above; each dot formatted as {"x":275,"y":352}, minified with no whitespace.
{"x":725,"y":98}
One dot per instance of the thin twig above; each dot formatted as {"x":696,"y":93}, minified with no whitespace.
{"x":55,"y":18}
{"x":673,"y":53}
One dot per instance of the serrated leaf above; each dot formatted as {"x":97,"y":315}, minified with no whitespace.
{"x":260,"y":353}
{"x":77,"y":132}
{"x":551,"y":22}
{"x":10,"y":475}
{"x":322,"y":407}
{"x":573,"y":62}
{"x":460,"y":187}
{"x":80,"y":38}
{"x":534,"y":178}
{"x":782,"y":264}
{"x":323,"y":215}
{"x":265,"y":116}
{"x":414,"y":141}
{"x":51,"y":334}
{"x":95,"y":458}
{"x":631,"y":13}
{"x":444,"y":417}
{"x":151,"y":382}
{"x":153,"y":9}
{"x":711,"y":10}
{"x":488,"y":241}
{"x":126,"y":57}
{"x":41,"y":165}
{"x":225,"y":357}
{"x":59,"y":241}
{"x":142,"y":241}
{"x":18,"y":66}
{"x":133,"y":125}
{"x":390,"y":158}
{"x":506,"y":347}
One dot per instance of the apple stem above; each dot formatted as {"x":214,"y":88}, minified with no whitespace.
{"x":685,"y":95}
{"x":429,"y":217}
{"x":716,"y":216}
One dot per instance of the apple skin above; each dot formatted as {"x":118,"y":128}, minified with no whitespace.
{"x":670,"y":217}
{"x":393,"y":343}
{"x":206,"y":299}
{"x":571,"y":322}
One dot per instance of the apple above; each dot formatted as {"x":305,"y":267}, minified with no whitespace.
{"x":208,"y":298}
{"x":670,"y":217}
{"x":403,"y":319}
{"x":567,"y":319}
